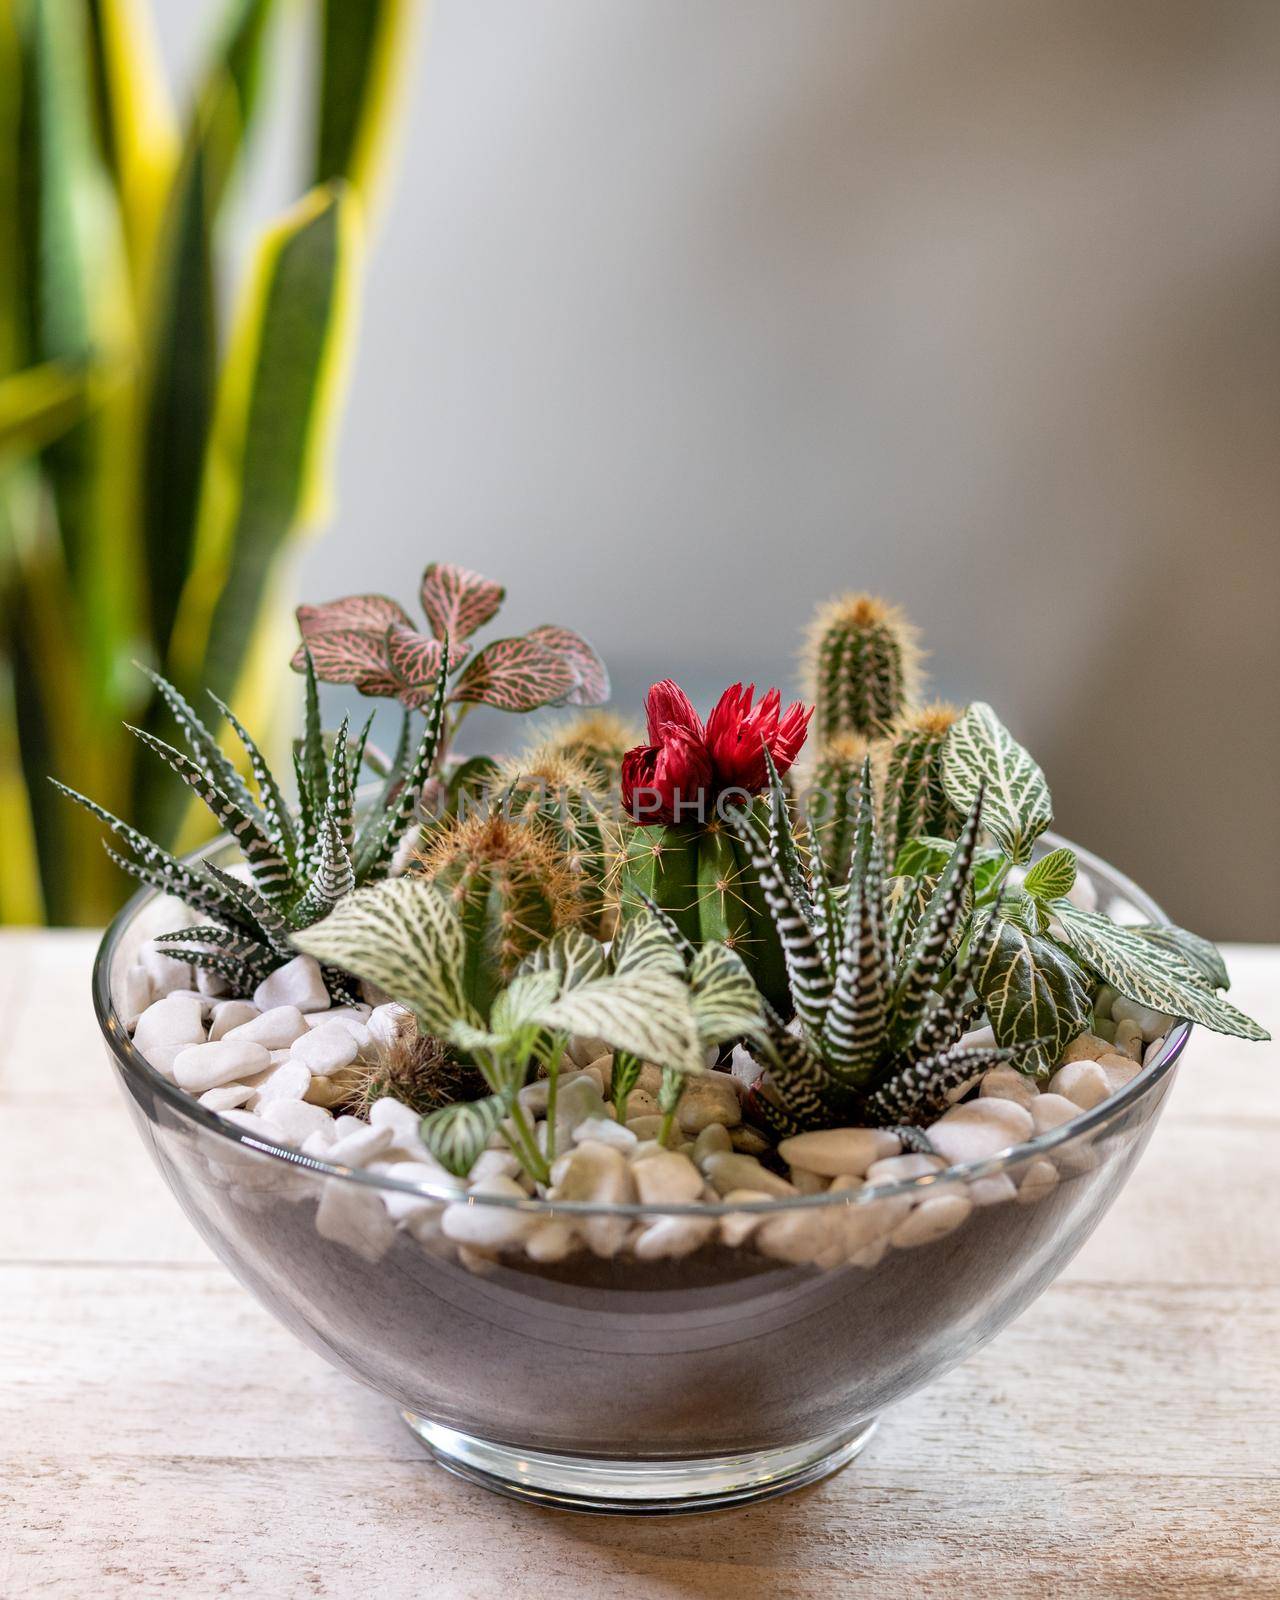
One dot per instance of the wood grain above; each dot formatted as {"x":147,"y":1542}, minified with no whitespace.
{"x":160,"y":1434}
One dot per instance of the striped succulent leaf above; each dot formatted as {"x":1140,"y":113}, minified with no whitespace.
{"x":243,"y":976}
{"x":1154,"y":975}
{"x":332,"y":878}
{"x":203,"y":746}
{"x":797,"y":1074}
{"x":272,"y":805}
{"x":782,"y":840}
{"x":456,"y":1134}
{"x":340,"y":802}
{"x":983,"y":757}
{"x":937,"y":932}
{"x":251,"y":909}
{"x":403,"y":935}
{"x":269,"y":868}
{"x":685,"y":946}
{"x":203,"y":899}
{"x":457,"y":601}
{"x":238,"y":946}
{"x":644,"y":1012}
{"x":309,"y":762}
{"x":923,"y":1087}
{"x":807,"y":970}
{"x":385,"y":829}
{"x":858,"y":1012}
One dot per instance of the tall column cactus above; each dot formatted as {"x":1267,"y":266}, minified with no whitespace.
{"x":862,"y":665}
{"x":831,"y":794}
{"x":915,"y":801}
{"x":511,"y":888}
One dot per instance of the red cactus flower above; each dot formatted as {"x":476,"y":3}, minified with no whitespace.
{"x":685,"y":766}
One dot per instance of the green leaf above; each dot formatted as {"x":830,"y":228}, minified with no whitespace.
{"x":1052,"y":876}
{"x":644,"y":941}
{"x":1032,"y":991}
{"x":1202,"y":954}
{"x":646,"y":1013}
{"x":404,"y":936}
{"x":573,"y":956}
{"x":726,"y":1003}
{"x":1154,"y":975}
{"x":40,"y":404}
{"x":456,"y":1134}
{"x":923,"y":857}
{"x":981,"y":750}
{"x":363,"y":44}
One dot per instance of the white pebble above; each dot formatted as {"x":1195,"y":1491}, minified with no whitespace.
{"x":1082,"y":1082}
{"x":489,"y":1227}
{"x":358,"y":1149}
{"x":1151,"y":1024}
{"x":167,"y":1027}
{"x":674,"y":1236}
{"x":297,"y":983}
{"x":386,"y":1022}
{"x":834,"y":1152}
{"x":1037,"y":1181}
{"x":165,"y":973}
{"x":599,"y":1173}
{"x":229,"y":1014}
{"x":930,"y":1220}
{"x":287,"y":1082}
{"x":992,"y":1191}
{"x":980,"y":1128}
{"x":205,"y":1066}
{"x":551,"y":1240}
{"x":136,"y":994}
{"x":492,"y":1164}
{"x":666,"y":1178}
{"x":226,"y":1095}
{"x":607,"y":1131}
{"x":295,"y":1119}
{"x":898,"y":1169}
{"x":737,"y":1226}
{"x":325,"y":1050}
{"x":1007,"y":1083}
{"x":274,"y":1030}
{"x":1128,"y":1040}
{"x":1052,"y":1110}
{"x":353,"y":1214}
{"x":404,"y":1122}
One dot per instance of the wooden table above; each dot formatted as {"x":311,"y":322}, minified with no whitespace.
{"x":161,"y":1435}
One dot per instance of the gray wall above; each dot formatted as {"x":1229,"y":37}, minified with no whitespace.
{"x":684,"y":313}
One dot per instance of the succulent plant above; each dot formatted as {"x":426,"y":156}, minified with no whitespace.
{"x":915,"y":801}
{"x":597,"y":740}
{"x":834,"y":782}
{"x":418,"y":1070}
{"x":862,"y":665}
{"x":567,"y":802}
{"x":510,"y":886}
{"x":299,"y":866}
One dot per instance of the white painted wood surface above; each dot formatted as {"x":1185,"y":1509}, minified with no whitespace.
{"x":161,"y":1435}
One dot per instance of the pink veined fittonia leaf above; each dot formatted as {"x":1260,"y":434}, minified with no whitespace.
{"x":373,"y":613}
{"x":349,"y":655}
{"x":457,"y":602}
{"x":516,"y":675}
{"x":414,"y":656}
{"x":592,"y":686}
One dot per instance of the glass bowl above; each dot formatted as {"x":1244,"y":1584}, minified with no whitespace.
{"x":615,"y":1384}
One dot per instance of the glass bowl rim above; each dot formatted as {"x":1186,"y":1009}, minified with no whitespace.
{"x":132,"y":1063}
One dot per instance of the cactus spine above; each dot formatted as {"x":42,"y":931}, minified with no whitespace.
{"x":511,"y":888}
{"x":914,"y":800}
{"x":702,"y":876}
{"x":862,"y":663}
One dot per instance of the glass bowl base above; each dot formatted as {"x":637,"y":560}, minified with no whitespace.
{"x":638,"y":1487}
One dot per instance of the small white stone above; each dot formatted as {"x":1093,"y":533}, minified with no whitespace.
{"x":1037,"y":1181}
{"x":1151,"y":1024}
{"x":710,"y":1097}
{"x":899,"y":1169}
{"x":1082,"y":1082}
{"x":674,"y":1236}
{"x":1119,"y":1069}
{"x":1052,"y":1110}
{"x":839,"y":1151}
{"x":294,"y":1119}
{"x":226,"y":1095}
{"x":598,"y":1173}
{"x":533,"y":1097}
{"x":607,"y":1131}
{"x":489,"y":1227}
{"x":168,"y":1027}
{"x":1128,"y":1039}
{"x":359,"y":1148}
{"x":229,"y":1014}
{"x":551,"y":1240}
{"x":165,"y":973}
{"x":404,"y":1122}
{"x":297,"y":983}
{"x":274,"y":1030}
{"x":205,"y":1066}
{"x":1152,"y":1051}
{"x":250,"y":1121}
{"x":798,"y":1237}
{"x":403,"y":1207}
{"x":386,"y":1022}
{"x":666,"y":1178}
{"x":353,"y":1214}
{"x":727,"y":1170}
{"x":136,"y":994}
{"x":1007,"y":1083}
{"x":715,"y":1136}
{"x":287,"y":1082}
{"x":492,"y":1164}
{"x":211,"y":984}
{"x":279,"y":1058}
{"x":870,"y":1222}
{"x":319,"y":1143}
{"x":930,"y":1220}
{"x":576,"y":1102}
{"x":737,"y":1226}
{"x":980,"y":1128}
{"x":993,"y":1191}
{"x":325,"y":1050}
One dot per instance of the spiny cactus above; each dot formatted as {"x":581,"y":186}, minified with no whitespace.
{"x":862,"y":666}
{"x":564,"y":798}
{"x":832,"y":787}
{"x":915,"y":801}
{"x":881,"y":988}
{"x":597,"y":740}
{"x":511,"y":888}
{"x":418,"y":1070}
{"x":299,"y":866}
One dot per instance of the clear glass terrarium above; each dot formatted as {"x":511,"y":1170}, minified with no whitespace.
{"x":607,"y":1383}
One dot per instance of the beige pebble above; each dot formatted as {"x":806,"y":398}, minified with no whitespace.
{"x":798,"y":1237}
{"x":1119,"y":1069}
{"x":710,"y":1097}
{"x":749,"y":1141}
{"x":1083,"y":1082}
{"x":1085,"y":1047}
{"x":1129,"y":1039}
{"x":833,"y":1151}
{"x":1052,"y":1110}
{"x":665,"y":1178}
{"x":897,"y":1169}
{"x":736,"y":1227}
{"x":930,"y":1220}
{"x":728,"y":1170}
{"x":979,"y":1129}
{"x":715,"y":1136}
{"x":674,"y":1236}
{"x":1038,"y":1179}
{"x":1007,"y":1083}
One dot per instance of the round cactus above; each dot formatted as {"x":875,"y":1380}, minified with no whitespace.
{"x":862,"y":664}
{"x":914,"y":800}
{"x":417,"y":1070}
{"x":702,"y":877}
{"x":597,"y":740}
{"x":511,"y":888}
{"x":566,"y":799}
